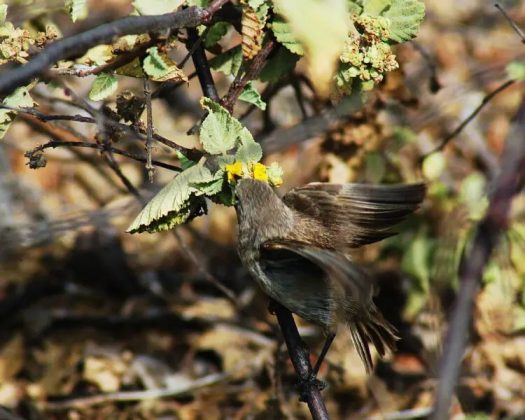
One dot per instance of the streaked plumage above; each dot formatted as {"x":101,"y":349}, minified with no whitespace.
{"x":297,"y":249}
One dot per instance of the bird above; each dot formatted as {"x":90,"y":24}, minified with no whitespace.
{"x":298,"y":249}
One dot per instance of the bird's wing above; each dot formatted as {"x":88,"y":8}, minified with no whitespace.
{"x":356,"y":214}
{"x":325,"y":287}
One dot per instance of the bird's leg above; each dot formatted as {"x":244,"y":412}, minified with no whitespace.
{"x":328,"y":342}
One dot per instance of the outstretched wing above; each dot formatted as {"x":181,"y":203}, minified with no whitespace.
{"x":325,"y":287}
{"x":355,"y":214}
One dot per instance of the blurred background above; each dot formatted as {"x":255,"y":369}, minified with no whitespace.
{"x":89,"y":313}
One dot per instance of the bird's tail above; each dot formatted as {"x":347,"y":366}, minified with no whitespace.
{"x":373,"y":329}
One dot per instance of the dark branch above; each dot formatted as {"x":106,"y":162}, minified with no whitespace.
{"x":252,"y":73}
{"x":513,"y":24}
{"x":76,"y":45}
{"x":101,"y":147}
{"x":202,"y":68}
{"x":506,"y":185}
{"x":300,"y":357}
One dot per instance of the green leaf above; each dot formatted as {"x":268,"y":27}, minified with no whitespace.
{"x":354,"y":8}
{"x":156,"y":7}
{"x":275,"y":174}
{"x":174,"y":203}
{"x":185,"y":163}
{"x":405,"y":18}
{"x":322,"y":28}
{"x":252,"y":96}
{"x":161,"y":68}
{"x":103,"y":86}
{"x":77,"y":9}
{"x":375,"y":167}
{"x":416,"y":260}
{"x":228,"y":62}
{"x":281,"y":63}
{"x":20,"y":98}
{"x":249,"y":151}
{"x":516,"y":70}
{"x":284,"y":35}
{"x":219,"y":131}
{"x":215,"y":33}
{"x":255,"y":4}
{"x":434,"y":165}
{"x":375,"y":7}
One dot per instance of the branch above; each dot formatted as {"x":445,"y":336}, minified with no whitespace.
{"x":506,"y":185}
{"x":252,"y":73}
{"x":202,"y":68}
{"x":486,"y":99}
{"x":149,"y":394}
{"x":76,"y":45}
{"x":53,"y":144}
{"x":513,"y":24}
{"x":149,"y":129}
{"x":299,"y":354}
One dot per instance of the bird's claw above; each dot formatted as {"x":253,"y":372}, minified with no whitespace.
{"x":305,"y":385}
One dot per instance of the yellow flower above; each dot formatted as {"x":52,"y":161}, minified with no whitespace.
{"x":234,"y":169}
{"x":259,"y":172}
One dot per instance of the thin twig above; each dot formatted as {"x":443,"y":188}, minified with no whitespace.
{"x":473,"y":262}
{"x":54,"y":143}
{"x":513,"y":24}
{"x":253,"y":71}
{"x":487,"y":98}
{"x":149,"y":129}
{"x":207,"y":275}
{"x":150,"y":394}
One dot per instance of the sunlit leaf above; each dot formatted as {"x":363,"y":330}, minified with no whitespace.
{"x":77,"y":9}
{"x":252,"y":22}
{"x":516,"y":70}
{"x":434,"y":165}
{"x":284,"y":35}
{"x":103,"y":86}
{"x":161,"y":68}
{"x":20,"y":98}
{"x":249,"y":151}
{"x":252,"y":96}
{"x":215,"y":33}
{"x":405,"y":18}
{"x":174,"y":203}
{"x":322,"y":27}
{"x":219,"y":131}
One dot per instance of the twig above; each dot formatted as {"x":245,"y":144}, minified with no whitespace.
{"x":76,"y":45}
{"x":513,"y":24}
{"x":149,"y":129}
{"x":202,"y":67}
{"x":508,"y":183}
{"x":150,"y":394}
{"x":207,"y":275}
{"x":55,"y":143}
{"x":299,"y":354}
{"x":255,"y":67}
{"x":470,"y":117}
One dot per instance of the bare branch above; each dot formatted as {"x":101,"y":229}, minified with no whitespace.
{"x":508,"y":183}
{"x":513,"y":24}
{"x":149,"y":129}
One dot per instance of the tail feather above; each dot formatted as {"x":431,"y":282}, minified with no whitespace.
{"x":375,"y":330}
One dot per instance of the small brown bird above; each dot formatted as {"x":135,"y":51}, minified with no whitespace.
{"x":297,"y":248}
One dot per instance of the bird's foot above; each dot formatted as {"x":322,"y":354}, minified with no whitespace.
{"x":305,"y":385}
